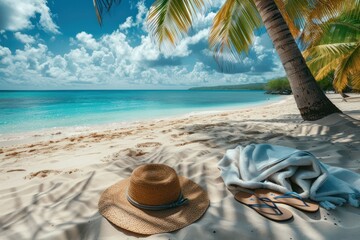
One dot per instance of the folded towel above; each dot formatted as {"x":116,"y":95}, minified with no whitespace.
{"x":286,"y":169}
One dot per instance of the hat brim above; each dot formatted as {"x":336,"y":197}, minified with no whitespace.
{"x":115,"y":207}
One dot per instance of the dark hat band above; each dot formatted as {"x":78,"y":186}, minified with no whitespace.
{"x":179,"y":202}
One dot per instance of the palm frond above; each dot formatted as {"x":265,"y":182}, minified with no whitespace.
{"x":101,"y":5}
{"x":345,"y":28}
{"x":341,"y":58}
{"x":330,"y":18}
{"x":169,"y":20}
{"x":290,"y":21}
{"x":354,"y":81}
{"x":325,"y":70}
{"x":233,"y":28}
{"x":331,"y":35}
{"x":349,"y":66}
{"x":332,"y":50}
{"x":332,"y":8}
{"x":298,"y":11}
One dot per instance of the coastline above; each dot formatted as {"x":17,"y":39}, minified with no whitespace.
{"x":8,"y":139}
{"x":51,"y":183}
{"x":61,"y":109}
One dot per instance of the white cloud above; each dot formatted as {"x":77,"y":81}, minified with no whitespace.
{"x":257,"y":46}
{"x":112,"y":61}
{"x":248,"y":61}
{"x":204,"y":20}
{"x":117,"y":43}
{"x":182,"y":48}
{"x":279,"y":68}
{"x":24,"y":38}
{"x":207,"y":52}
{"x":217,"y":3}
{"x":87,"y":40}
{"x":127,"y":24}
{"x":45,"y":18}
{"x":3,"y":34}
{"x":139,"y":18}
{"x":145,"y":51}
{"x":16,"y":16}
{"x":142,"y":12}
{"x":4,"y":55}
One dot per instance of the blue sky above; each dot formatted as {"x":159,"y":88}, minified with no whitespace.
{"x":60,"y":45}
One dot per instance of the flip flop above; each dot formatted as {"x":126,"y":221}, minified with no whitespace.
{"x":290,"y":198}
{"x":264,"y":206}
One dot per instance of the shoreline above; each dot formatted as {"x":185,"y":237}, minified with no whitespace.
{"x":9,"y":139}
{"x":123,"y":108}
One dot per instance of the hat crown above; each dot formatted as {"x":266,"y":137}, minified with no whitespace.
{"x":154,"y":184}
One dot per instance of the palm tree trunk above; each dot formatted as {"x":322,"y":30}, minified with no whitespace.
{"x":310,"y":99}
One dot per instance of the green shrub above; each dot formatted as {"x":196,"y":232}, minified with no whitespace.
{"x":282,"y":85}
{"x":326,"y":84}
{"x":278,"y":84}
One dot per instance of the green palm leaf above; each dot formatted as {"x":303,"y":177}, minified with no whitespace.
{"x":350,"y":66}
{"x":333,"y":40}
{"x":233,"y":28}
{"x":327,"y":69}
{"x":323,"y":18}
{"x":341,"y":58}
{"x":169,"y":20}
{"x":354,"y":80}
{"x":332,"y":50}
{"x":101,"y":5}
{"x":297,"y":10}
{"x":294,"y":29}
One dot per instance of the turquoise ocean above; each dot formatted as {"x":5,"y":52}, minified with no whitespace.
{"x":22,"y":111}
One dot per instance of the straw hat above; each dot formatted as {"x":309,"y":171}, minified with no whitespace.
{"x":153,"y":200}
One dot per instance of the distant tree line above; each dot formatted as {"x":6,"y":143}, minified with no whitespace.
{"x":281,"y":86}
{"x":250,"y":86}
{"x":275,"y":86}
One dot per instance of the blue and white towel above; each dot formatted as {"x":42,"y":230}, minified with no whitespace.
{"x":281,"y":169}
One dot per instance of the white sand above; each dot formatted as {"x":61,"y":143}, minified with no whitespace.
{"x":50,"y":182}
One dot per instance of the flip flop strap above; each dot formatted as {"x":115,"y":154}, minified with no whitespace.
{"x":292,"y":195}
{"x":266,"y":205}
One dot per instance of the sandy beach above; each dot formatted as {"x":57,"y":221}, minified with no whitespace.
{"x":51,"y":181}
